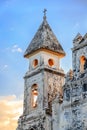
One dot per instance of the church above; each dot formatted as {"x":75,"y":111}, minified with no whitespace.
{"x":53,"y":100}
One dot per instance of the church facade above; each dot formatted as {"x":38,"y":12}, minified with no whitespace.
{"x":53,"y":100}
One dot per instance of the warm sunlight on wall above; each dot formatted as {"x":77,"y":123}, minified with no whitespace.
{"x":10,"y":110}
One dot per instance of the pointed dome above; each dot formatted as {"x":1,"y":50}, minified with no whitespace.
{"x":44,"y":39}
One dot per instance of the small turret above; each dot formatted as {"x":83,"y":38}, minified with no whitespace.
{"x":77,"y":39}
{"x":79,"y":54}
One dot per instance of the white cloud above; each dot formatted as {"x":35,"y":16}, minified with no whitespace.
{"x":10,"y":110}
{"x":15,"y":48}
{"x":9,"y":98}
{"x":4,"y":67}
{"x":19,"y":50}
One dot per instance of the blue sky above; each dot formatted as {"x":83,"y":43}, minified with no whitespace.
{"x":19,"y":21}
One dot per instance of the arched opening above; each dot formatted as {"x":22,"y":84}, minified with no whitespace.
{"x":84,"y":87}
{"x":35,"y":63}
{"x":34,"y":95}
{"x":31,"y":129}
{"x":51,"y":62}
{"x":82,"y":63}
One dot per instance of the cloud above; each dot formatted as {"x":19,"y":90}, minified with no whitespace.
{"x":15,"y":48}
{"x":4,"y":67}
{"x":10,"y":110}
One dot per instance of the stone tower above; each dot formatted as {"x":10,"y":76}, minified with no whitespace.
{"x":75,"y":88}
{"x":43,"y":80}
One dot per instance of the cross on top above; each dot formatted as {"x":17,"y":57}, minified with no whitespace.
{"x":45,"y":10}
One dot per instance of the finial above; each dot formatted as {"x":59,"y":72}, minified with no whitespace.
{"x":45,"y":10}
{"x":44,"y":17}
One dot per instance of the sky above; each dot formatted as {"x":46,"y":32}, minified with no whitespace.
{"x":19,"y":21}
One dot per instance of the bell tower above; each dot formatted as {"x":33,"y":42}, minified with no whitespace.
{"x":43,"y":80}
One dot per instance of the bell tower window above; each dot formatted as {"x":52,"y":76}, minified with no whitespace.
{"x":34,"y":95}
{"x":82,"y":63}
{"x":35,"y":63}
{"x":51,"y":62}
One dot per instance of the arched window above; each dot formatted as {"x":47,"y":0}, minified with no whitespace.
{"x":34,"y":95}
{"x":67,"y":94}
{"x":31,"y":129}
{"x":35,"y":63}
{"x":51,"y":62}
{"x":82,"y":63}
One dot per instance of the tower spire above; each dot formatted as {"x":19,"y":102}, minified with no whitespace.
{"x":44,"y":17}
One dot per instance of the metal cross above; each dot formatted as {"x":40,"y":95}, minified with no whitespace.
{"x":45,"y":10}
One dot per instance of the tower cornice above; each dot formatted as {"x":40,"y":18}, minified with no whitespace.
{"x":58,"y":72}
